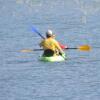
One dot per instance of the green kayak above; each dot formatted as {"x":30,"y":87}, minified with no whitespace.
{"x":52,"y":59}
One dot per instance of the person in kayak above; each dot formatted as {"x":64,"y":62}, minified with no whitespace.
{"x":51,"y":46}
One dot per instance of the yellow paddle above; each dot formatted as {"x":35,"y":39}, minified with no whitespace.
{"x":81,"y":48}
{"x":29,"y":50}
{"x":85,"y":48}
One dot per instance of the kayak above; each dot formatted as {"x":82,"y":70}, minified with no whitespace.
{"x":52,"y":59}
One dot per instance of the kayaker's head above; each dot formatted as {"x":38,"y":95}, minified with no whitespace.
{"x":49,"y":33}
{"x":53,"y":36}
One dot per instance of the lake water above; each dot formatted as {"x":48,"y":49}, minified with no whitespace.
{"x":23,"y":76}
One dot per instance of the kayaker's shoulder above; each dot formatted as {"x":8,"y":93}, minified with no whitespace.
{"x":54,"y":40}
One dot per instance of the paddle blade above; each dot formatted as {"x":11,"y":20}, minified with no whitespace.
{"x":84,"y":48}
{"x":36,"y":31}
{"x":26,"y":50}
{"x":30,"y":50}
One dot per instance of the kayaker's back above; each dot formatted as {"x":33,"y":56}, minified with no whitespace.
{"x":49,"y":43}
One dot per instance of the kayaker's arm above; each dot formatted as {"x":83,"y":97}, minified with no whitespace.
{"x":41,"y":43}
{"x":58,"y":47}
{"x":62,"y":46}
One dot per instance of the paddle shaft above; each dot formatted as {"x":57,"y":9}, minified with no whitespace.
{"x":70,"y":48}
{"x":42,"y":49}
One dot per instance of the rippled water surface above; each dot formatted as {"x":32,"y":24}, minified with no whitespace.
{"x":23,"y":76}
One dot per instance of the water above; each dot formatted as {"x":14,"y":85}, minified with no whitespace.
{"x":23,"y":76}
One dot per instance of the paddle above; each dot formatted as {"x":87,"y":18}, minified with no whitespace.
{"x":30,"y":50}
{"x":36,"y":31}
{"x":81,"y":48}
